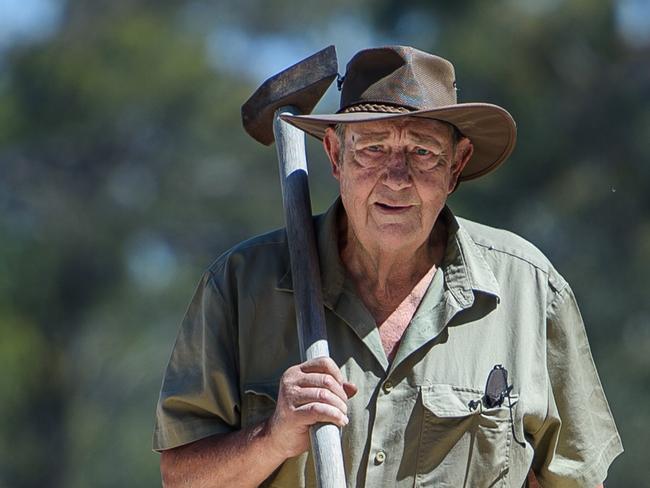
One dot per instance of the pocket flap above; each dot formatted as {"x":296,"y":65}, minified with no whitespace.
{"x":445,"y":401}
{"x":268,"y":390}
{"x":258,"y":402}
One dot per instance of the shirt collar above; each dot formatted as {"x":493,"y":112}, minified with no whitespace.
{"x":464,"y":267}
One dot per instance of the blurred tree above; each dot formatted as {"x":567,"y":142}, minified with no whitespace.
{"x":122,"y":165}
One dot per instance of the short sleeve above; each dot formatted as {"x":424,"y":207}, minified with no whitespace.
{"x":199,"y":396}
{"x":578,"y":440}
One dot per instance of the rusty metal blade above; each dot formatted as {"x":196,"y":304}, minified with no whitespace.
{"x":301,"y":85}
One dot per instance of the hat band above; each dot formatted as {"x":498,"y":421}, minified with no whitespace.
{"x":375,"y":107}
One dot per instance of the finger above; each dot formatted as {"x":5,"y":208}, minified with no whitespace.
{"x":326,"y":365}
{"x":350,"y":389}
{"x":319,"y":395}
{"x":323,"y":365}
{"x":322,"y":380}
{"x":313,"y":413}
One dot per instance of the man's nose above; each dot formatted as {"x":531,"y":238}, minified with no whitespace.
{"x":397,"y":174}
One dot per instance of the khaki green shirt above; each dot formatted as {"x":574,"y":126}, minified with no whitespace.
{"x":419,"y":420}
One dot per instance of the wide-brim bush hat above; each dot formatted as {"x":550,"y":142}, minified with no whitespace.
{"x":398,"y":81}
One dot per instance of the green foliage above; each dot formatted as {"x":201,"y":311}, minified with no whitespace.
{"x":122,"y":167}
{"x":124,"y":171}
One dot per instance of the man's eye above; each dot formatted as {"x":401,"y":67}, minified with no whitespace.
{"x":374,"y":148}
{"x":422,"y":152}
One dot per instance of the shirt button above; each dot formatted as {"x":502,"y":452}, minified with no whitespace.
{"x":380,"y":457}
{"x":388,"y":386}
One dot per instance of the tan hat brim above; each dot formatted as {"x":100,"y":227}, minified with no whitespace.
{"x":491,"y":129}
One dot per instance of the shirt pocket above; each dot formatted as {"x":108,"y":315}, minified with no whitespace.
{"x":258,"y":402}
{"x":459,"y":445}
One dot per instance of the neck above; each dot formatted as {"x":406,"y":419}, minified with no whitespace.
{"x":389,"y":275}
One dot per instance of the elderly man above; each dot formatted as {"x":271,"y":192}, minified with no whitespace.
{"x":459,"y":357}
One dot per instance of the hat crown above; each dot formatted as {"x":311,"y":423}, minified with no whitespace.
{"x":398,"y":76}
{"x":391,"y":82}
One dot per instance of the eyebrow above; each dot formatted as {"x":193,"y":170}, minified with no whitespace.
{"x":424,"y":139}
{"x":370,"y":136}
{"x":417,"y":137}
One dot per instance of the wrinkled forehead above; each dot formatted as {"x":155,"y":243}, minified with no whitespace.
{"x":416,"y":127}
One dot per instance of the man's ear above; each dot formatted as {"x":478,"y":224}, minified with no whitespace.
{"x":332,"y":148}
{"x":462,"y":155}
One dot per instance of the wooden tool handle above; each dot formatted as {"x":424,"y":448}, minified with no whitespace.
{"x":305,"y":272}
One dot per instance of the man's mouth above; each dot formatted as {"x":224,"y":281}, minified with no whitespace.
{"x":392,"y":208}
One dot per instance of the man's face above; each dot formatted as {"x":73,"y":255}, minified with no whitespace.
{"x":394,"y":178}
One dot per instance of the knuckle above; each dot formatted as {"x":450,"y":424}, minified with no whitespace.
{"x":318,"y":409}
{"x":305,"y":414}
{"x":286,"y":377}
{"x":329,"y":382}
{"x":312,"y":363}
{"x":330,"y":365}
{"x":322,"y":395}
{"x":318,"y":394}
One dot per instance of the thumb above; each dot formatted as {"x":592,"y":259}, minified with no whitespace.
{"x":350,"y":389}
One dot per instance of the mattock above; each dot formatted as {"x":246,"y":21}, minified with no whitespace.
{"x":296,"y":91}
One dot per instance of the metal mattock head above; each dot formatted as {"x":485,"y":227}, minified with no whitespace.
{"x":302,"y":86}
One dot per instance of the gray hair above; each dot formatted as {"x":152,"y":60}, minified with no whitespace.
{"x":339,"y":130}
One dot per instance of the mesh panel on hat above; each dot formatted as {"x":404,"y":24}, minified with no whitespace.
{"x":439,"y":76}
{"x":399,"y":75}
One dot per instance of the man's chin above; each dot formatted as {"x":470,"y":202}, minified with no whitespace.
{"x":394,"y":236}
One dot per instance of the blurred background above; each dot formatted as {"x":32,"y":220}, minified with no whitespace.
{"x":124,"y":171}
